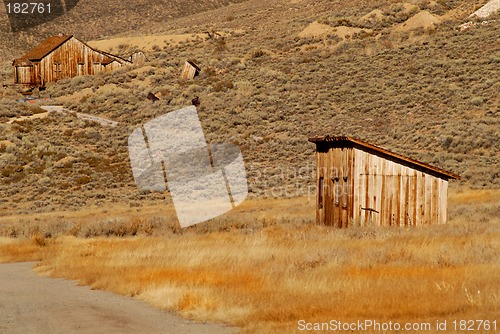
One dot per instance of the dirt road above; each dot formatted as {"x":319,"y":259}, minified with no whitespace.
{"x":33,"y":304}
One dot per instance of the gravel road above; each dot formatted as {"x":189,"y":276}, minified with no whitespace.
{"x":33,"y":304}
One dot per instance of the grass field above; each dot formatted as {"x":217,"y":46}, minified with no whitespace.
{"x":266,"y":277}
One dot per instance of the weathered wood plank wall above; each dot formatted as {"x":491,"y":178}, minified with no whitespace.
{"x":190,"y":70}
{"x":70,"y":59}
{"x":359,"y":187}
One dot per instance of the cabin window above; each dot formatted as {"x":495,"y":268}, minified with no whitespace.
{"x":344,"y":195}
{"x":320,"y":192}
{"x":57,"y":70}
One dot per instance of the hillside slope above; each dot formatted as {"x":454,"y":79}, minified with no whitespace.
{"x":92,"y":19}
{"x":430,"y":92}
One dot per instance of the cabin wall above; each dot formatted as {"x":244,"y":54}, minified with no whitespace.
{"x":376,"y":190}
{"x":189,"y":71}
{"x":23,"y":75}
{"x":401,"y":195}
{"x":334,"y":183}
{"x":138,"y":58}
{"x":71,"y":59}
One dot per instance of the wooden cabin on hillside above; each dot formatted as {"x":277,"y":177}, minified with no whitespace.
{"x":359,"y":183}
{"x":190,"y":70}
{"x":62,"y":56}
{"x":138,"y":58}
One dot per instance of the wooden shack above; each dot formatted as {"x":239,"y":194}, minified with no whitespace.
{"x":360,"y":183}
{"x":59,"y":57}
{"x":190,"y":70}
{"x":138,"y":58}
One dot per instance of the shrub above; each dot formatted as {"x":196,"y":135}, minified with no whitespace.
{"x":258,"y":53}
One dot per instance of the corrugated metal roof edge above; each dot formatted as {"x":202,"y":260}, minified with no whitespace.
{"x":328,"y":138}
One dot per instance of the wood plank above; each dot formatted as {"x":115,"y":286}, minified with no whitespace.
{"x":351,"y":185}
{"x":397,"y":192}
{"x":428,"y":199}
{"x":373,"y":187}
{"x":443,"y":202}
{"x":377,"y":189}
{"x":329,"y":191}
{"x":384,"y":198}
{"x":413,"y":198}
{"x":319,"y":173}
{"x":366,"y":172}
{"x":406,"y":189}
{"x":420,"y":198}
{"x":342,"y":171}
{"x":338,"y":189}
{"x":344,"y":200}
{"x":356,"y":189}
{"x":435,"y":201}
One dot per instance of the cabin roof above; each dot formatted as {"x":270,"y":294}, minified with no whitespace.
{"x":42,"y":49}
{"x":46,"y":47}
{"x":193,"y":65}
{"x":349,"y":141}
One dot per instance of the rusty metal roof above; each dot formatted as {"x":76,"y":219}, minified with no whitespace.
{"x":22,"y":62}
{"x":46,"y":47}
{"x":342,"y":140}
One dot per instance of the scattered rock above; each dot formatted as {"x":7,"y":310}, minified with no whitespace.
{"x":152,"y":97}
{"x":196,"y":101}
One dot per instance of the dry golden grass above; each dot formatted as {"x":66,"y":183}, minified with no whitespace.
{"x":265,"y":280}
{"x":20,"y":250}
{"x":462,"y":197}
{"x":154,"y":220}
